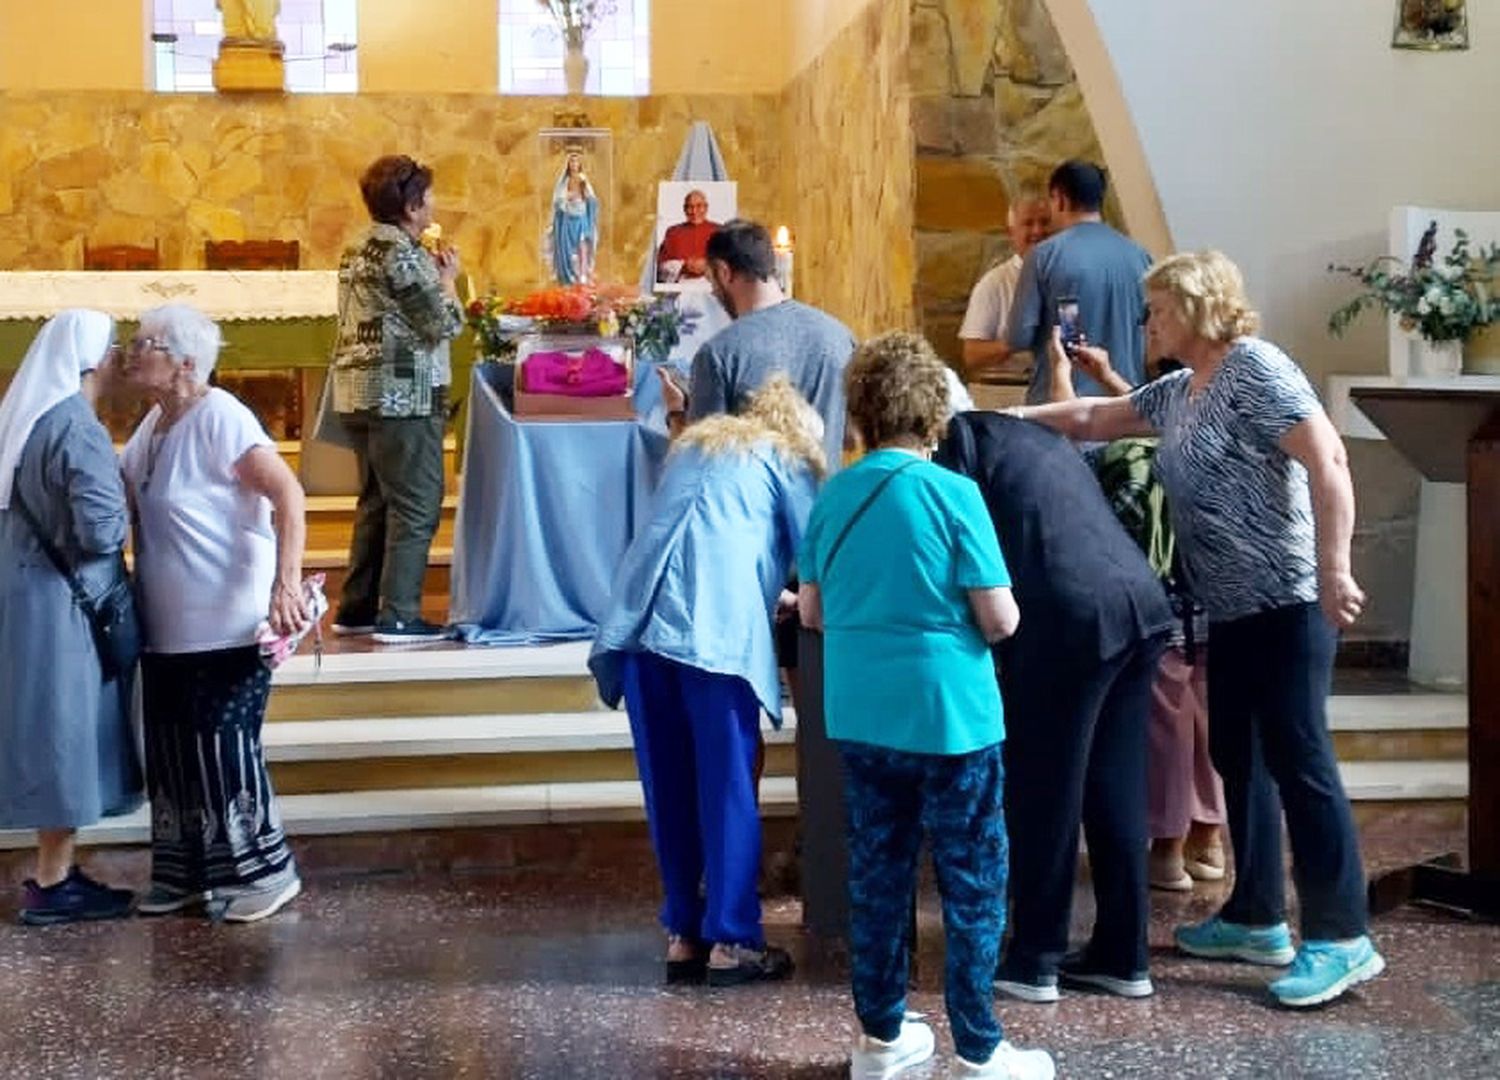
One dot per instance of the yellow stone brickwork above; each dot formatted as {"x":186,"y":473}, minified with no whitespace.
{"x":115,"y":168}
{"x":995,"y":107}
{"x":848,"y":160}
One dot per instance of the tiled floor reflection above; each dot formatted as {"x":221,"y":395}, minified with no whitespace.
{"x":553,"y":973}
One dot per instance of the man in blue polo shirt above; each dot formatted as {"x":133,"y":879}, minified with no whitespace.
{"x":1091,"y":263}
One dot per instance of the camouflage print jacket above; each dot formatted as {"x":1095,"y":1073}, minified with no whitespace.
{"x":393,"y":318}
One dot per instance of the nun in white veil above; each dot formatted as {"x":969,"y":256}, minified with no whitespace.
{"x":67,"y":757}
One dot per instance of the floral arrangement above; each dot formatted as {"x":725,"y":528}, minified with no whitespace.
{"x":576,"y":19}
{"x":653,"y":324}
{"x":1447,"y":302}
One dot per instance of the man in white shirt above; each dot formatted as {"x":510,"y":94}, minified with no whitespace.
{"x":1028,"y":222}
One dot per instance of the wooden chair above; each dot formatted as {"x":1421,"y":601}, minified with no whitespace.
{"x":122,"y":257}
{"x":252,"y":254}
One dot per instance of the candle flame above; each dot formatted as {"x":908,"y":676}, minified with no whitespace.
{"x":783,"y":238}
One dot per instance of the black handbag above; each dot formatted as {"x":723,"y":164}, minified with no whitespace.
{"x":111,"y":615}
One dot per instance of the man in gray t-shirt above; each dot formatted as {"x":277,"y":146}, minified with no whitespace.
{"x":1091,"y":263}
{"x":770,"y":333}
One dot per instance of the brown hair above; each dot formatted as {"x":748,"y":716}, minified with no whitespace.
{"x":897,"y":388}
{"x":391,"y":184}
{"x":1209,"y":292}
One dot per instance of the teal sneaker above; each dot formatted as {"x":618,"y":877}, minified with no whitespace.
{"x":1216,"y":939}
{"x":1325,"y":969}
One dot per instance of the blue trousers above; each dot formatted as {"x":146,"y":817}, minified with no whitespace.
{"x":1268,"y":680}
{"x":891,"y":798}
{"x":696,"y":736}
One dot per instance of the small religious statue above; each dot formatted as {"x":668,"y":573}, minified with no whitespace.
{"x":249,"y":20}
{"x":575,"y":223}
{"x":250,"y":57}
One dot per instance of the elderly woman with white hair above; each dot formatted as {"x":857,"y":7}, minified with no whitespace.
{"x":219,"y":531}
{"x":66,"y":753}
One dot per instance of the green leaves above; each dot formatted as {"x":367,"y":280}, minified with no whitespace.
{"x":1448,"y":302}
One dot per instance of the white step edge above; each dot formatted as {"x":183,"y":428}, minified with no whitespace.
{"x":353,"y":739}
{"x":1398,"y":712}
{"x":416,"y":663}
{"x":620,"y":800}
{"x":436,"y":808}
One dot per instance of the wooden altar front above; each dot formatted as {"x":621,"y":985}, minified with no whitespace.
{"x":1452,"y":435}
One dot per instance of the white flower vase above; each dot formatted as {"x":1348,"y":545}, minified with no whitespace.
{"x":575,"y":68}
{"x":1438,"y":359}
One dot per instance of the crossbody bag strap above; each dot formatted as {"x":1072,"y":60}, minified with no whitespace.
{"x":838,"y":541}
{"x":80,"y":594}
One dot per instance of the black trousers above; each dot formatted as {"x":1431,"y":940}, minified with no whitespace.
{"x":1268,"y":682}
{"x":1075,"y":751}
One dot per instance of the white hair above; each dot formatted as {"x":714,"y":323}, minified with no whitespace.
{"x":186,"y":333}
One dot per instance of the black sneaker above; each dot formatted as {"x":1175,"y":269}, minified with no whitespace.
{"x":1078,"y":970}
{"x":412,"y":632}
{"x":76,"y":898}
{"x":769,"y":964}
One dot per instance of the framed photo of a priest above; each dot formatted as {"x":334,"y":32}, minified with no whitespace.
{"x":687,"y":213}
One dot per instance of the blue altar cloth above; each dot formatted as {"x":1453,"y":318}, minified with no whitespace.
{"x":546,"y":511}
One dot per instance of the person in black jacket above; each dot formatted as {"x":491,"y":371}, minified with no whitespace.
{"x":1076,"y":680}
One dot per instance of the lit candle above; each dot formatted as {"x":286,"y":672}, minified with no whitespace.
{"x":783,"y":248}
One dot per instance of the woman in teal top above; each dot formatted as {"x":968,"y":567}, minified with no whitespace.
{"x":902,"y":572}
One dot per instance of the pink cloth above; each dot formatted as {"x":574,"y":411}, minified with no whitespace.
{"x":592,"y":373}
{"x":1182,"y":786}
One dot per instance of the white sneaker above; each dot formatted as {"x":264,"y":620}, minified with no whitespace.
{"x":255,"y":906}
{"x":1008,"y":1063}
{"x":876,"y":1060}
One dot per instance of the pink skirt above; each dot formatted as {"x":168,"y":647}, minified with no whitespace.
{"x":1182,"y":786}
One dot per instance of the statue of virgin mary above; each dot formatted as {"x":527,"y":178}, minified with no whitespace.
{"x":249,"y":20}
{"x":575,"y":224}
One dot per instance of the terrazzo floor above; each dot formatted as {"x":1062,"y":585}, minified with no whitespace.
{"x":553,"y":973}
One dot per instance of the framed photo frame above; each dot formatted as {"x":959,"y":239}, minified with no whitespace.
{"x":1431,"y":25}
{"x":684,"y":209}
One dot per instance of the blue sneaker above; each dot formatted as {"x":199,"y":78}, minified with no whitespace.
{"x":1325,"y":969}
{"x":1216,"y":939}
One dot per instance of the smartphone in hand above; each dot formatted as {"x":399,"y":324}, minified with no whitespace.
{"x":1067,"y":323}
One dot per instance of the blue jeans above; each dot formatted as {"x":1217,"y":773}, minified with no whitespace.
{"x":696,"y":736}
{"x":891,"y":799}
{"x":1268,"y":681}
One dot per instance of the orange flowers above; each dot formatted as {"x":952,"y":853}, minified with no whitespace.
{"x":572,"y":303}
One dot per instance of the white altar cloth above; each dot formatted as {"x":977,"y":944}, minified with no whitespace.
{"x":125,"y":294}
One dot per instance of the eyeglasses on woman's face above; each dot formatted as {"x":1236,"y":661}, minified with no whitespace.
{"x":142,"y":344}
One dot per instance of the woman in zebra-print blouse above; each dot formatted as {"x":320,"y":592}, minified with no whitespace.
{"x":1263,"y":508}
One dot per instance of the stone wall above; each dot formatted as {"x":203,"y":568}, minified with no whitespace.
{"x":847,"y":168}
{"x":995,"y":106}
{"x":182,"y":169}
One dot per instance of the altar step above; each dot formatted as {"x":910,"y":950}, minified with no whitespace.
{"x":291,"y":452}
{"x":330,"y":521}
{"x":389,"y":740}
{"x":436,"y":584}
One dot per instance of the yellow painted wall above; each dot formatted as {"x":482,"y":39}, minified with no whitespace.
{"x":714,"y":47}
{"x":812,"y":25}
{"x":407,"y":47}
{"x":73,"y":44}
{"x":720,"y":46}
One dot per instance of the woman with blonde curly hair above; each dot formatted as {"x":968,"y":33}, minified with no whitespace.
{"x":687,"y":643}
{"x":903,"y":574}
{"x":1262,"y":505}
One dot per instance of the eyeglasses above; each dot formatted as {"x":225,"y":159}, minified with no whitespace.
{"x":140,"y":345}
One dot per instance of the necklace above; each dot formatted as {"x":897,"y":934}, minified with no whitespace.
{"x":165,"y":422}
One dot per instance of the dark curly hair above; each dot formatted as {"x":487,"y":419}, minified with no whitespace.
{"x":897,"y":388}
{"x":391,"y":184}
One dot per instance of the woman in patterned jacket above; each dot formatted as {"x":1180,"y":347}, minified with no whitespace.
{"x":1263,"y":508}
